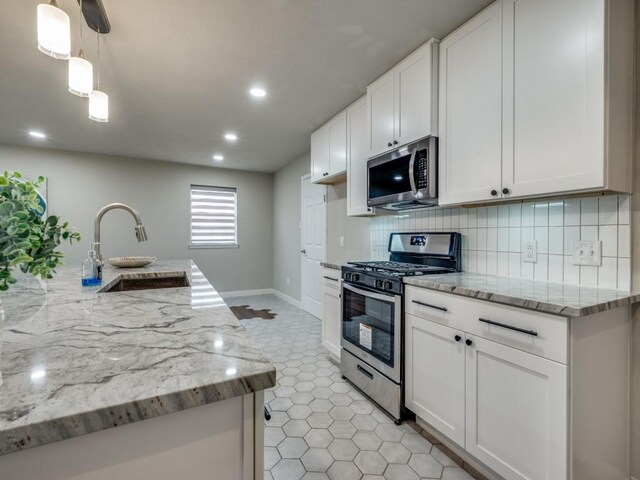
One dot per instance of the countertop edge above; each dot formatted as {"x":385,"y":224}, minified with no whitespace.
{"x":38,"y":434}
{"x":333,"y":266}
{"x":526,"y":303}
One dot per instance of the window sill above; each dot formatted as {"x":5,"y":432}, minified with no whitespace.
{"x":198,"y":247}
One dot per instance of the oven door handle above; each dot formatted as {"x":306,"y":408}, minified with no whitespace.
{"x":412,"y":173}
{"x":367,"y":293}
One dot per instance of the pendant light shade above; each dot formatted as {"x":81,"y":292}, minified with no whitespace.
{"x":80,"y":76}
{"x":54,"y":34}
{"x":99,"y":106}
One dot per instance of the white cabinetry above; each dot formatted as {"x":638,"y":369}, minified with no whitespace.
{"x":329,"y":150}
{"x":331,"y":325}
{"x":402,"y":105}
{"x":518,"y":391}
{"x":434,"y":372}
{"x":357,"y":159}
{"x":536,"y":99}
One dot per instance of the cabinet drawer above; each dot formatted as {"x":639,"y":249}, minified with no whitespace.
{"x":533,"y":332}
{"x":330,"y":277}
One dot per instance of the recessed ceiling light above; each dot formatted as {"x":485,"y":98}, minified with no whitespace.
{"x":232,"y":137}
{"x":258,"y":92}
{"x":37,"y":134}
{"x":218,"y":158}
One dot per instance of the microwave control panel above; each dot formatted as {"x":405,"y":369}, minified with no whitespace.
{"x":421,"y":169}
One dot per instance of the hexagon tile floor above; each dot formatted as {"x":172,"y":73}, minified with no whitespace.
{"x":321,"y":427}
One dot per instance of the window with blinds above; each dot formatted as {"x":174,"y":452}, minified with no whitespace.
{"x":214,"y":216}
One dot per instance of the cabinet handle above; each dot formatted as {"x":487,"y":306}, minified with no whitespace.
{"x":330,"y":278}
{"x":395,"y":142}
{"x":509,"y":327}
{"x":458,"y":338}
{"x":389,"y":144}
{"x":505,"y":191}
{"x":442,"y":309}
{"x":366,"y":373}
{"x":468,"y":342}
{"x":494,"y":193}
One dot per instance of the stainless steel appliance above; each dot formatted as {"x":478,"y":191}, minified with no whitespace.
{"x":372,"y":312}
{"x":405,"y":178}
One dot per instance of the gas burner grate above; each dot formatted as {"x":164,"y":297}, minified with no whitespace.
{"x":398,"y":267}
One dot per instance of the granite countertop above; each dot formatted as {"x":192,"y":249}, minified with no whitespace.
{"x":335,"y":266}
{"x":75,"y":361}
{"x":554,"y":298}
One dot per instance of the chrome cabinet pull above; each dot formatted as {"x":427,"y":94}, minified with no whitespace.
{"x":330,"y":278}
{"x":509,"y":327}
{"x":442,"y":309}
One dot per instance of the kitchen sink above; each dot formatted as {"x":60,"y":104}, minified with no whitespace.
{"x":152,"y":281}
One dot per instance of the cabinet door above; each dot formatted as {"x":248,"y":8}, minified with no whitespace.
{"x":338,"y":144}
{"x":380,"y":115}
{"x":415,"y":100}
{"x":470,"y":122}
{"x":516,"y":411}
{"x":331,"y":332}
{"x":357,"y":159}
{"x":553,"y":96}
{"x":319,"y":153}
{"x":434,"y":375}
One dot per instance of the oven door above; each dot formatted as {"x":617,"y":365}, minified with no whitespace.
{"x":372,"y":328}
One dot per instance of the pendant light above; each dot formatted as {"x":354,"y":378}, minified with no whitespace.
{"x":98,"y":101}
{"x":80,"y":70}
{"x":54,"y":33}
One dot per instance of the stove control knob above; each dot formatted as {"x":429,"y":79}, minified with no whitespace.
{"x":355,"y":277}
{"x":379,"y":283}
{"x":388,"y":285}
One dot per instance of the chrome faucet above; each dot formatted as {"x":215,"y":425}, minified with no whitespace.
{"x":141,"y":233}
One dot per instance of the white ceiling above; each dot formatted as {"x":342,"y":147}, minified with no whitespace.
{"x":178,"y":73}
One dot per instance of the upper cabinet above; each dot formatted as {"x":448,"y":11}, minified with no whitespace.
{"x":329,"y":150}
{"x":402,"y":105}
{"x":357,"y":160}
{"x":536,"y":98}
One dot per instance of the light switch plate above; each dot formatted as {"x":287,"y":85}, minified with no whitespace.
{"x":530,"y":251}
{"x":587,"y":253}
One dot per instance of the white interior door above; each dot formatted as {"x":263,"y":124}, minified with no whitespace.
{"x":314,"y":244}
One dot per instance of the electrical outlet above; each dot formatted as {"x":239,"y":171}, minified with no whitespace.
{"x":587,"y":253}
{"x":530,"y":249}
{"x":342,"y":240}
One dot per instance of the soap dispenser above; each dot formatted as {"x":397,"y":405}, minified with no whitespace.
{"x":92,"y":269}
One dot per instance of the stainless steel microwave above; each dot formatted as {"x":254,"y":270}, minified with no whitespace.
{"x":405,"y":178}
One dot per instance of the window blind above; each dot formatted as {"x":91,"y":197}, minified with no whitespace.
{"x":214,"y":219}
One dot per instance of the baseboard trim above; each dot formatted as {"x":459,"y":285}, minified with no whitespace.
{"x":287,"y":298}
{"x":246,"y":293}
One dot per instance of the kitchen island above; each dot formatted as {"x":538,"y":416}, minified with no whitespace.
{"x":172,"y":369}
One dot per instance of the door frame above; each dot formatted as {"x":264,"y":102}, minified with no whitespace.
{"x":304,"y":177}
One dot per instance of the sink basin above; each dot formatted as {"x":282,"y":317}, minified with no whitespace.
{"x":146,"y":281}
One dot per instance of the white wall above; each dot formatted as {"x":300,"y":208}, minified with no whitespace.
{"x":79,"y":184}
{"x":355,"y":230}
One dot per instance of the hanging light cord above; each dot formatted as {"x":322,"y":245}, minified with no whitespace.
{"x":81,"y":53}
{"x":98,"y":76}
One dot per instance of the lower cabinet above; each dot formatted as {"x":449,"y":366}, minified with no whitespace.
{"x":496,"y":382}
{"x":434,"y":375}
{"x":516,"y":411}
{"x":331,"y":325}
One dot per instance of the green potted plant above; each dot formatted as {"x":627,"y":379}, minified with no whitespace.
{"x":28,"y":238}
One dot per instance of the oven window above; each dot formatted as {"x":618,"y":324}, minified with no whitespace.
{"x":390,"y":178}
{"x":368,"y":323}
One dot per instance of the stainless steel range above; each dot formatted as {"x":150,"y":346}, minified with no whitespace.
{"x":372,"y":312}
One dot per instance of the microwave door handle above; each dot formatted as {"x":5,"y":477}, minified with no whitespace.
{"x":412,"y":174}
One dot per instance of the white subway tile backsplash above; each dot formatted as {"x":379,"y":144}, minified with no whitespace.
{"x":493,"y":237}
{"x":624,"y":241}
{"x":589,"y":211}
{"x":608,"y":210}
{"x":608,"y":235}
{"x":541,"y":214}
{"x":572,"y":212}
{"x":556,"y":214}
